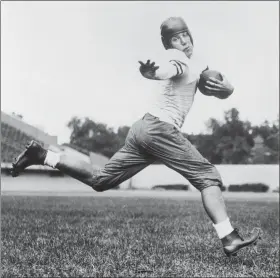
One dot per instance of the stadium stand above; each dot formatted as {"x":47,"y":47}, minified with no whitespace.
{"x":15,"y":134}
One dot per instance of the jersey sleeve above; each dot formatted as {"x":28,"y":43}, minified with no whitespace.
{"x":174,"y":64}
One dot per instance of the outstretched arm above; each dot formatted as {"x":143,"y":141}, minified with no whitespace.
{"x":151,"y":71}
{"x":174,"y":64}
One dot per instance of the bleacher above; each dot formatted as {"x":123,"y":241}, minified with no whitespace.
{"x":16,"y":134}
{"x":13,"y":142}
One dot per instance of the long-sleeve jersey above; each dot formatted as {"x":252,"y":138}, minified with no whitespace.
{"x":177,"y":79}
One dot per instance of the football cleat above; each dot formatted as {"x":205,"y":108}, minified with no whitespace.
{"x":233,"y":242}
{"x":34,"y":154}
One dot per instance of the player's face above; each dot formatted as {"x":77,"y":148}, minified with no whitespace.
{"x":182,"y":42}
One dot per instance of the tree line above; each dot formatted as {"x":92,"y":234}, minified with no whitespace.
{"x":230,"y":141}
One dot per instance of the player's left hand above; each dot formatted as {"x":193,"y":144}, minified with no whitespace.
{"x":148,"y":69}
{"x":220,"y":88}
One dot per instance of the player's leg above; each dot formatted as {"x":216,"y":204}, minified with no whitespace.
{"x":169,"y":145}
{"x":128,"y":161}
{"x":214,"y":204}
{"x":122,"y":166}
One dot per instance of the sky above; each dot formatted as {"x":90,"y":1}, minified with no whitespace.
{"x":65,"y":59}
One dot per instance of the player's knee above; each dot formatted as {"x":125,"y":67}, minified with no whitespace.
{"x":96,"y":184}
{"x":214,"y":179}
{"x":102,"y":185}
{"x":98,"y":188}
{"x":209,"y":179}
{"x":209,"y":184}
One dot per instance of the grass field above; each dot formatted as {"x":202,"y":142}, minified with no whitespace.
{"x":59,"y":236}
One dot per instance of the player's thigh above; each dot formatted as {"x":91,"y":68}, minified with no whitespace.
{"x":177,"y":153}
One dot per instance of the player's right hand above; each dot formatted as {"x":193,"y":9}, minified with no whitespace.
{"x":148,"y":69}
{"x":221,"y":89}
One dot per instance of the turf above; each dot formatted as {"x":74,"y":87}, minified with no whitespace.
{"x":130,"y":237}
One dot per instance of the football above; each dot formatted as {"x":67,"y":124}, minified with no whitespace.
{"x":204,"y":76}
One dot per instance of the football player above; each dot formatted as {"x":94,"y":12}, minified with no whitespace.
{"x":157,"y":136}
